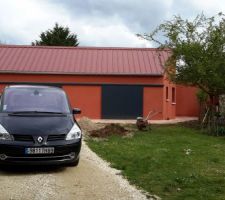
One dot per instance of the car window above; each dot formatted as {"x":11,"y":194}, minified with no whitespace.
{"x":35,"y":99}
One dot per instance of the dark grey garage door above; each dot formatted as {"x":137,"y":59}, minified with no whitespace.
{"x":122,"y":102}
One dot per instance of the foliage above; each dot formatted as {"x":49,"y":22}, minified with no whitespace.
{"x":202,"y":96}
{"x":197,"y":51}
{"x":2,"y":43}
{"x":197,"y":55}
{"x":171,"y":161}
{"x":58,"y":36}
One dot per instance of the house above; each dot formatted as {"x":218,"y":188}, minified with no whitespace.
{"x":109,"y":83}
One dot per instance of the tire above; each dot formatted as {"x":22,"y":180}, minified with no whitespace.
{"x":74,"y":163}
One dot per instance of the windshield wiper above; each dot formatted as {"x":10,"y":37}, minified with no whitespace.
{"x":35,"y":112}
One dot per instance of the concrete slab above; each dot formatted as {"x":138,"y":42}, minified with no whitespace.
{"x":121,"y":121}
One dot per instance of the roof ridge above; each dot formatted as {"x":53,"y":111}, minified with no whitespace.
{"x":83,"y":47}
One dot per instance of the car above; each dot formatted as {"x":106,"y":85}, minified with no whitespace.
{"x":38,"y":126}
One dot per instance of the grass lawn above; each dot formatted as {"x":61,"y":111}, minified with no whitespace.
{"x":172,"y":161}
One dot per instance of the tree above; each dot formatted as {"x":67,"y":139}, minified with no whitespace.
{"x":2,"y":43}
{"x":58,"y":36}
{"x":197,"y":52}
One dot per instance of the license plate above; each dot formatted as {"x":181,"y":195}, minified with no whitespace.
{"x":40,"y":150}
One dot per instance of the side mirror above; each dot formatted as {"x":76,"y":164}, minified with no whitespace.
{"x":76,"y":111}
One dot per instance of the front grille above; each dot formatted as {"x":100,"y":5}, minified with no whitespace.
{"x":23,"y":138}
{"x":39,"y":158}
{"x":56,"y":137}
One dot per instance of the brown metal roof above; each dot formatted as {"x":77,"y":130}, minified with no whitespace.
{"x":82,"y":60}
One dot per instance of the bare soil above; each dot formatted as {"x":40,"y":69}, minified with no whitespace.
{"x":108,"y":130}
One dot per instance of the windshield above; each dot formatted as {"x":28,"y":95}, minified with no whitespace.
{"x":35,"y":99}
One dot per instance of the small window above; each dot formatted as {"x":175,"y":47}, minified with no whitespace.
{"x":173,"y":95}
{"x":167,"y":93}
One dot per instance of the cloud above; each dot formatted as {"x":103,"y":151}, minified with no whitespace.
{"x":210,"y":7}
{"x":96,"y":22}
{"x":116,"y":35}
{"x":22,"y":21}
{"x":137,"y":15}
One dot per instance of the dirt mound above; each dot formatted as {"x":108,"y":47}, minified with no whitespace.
{"x":87,"y":125}
{"x":108,"y":130}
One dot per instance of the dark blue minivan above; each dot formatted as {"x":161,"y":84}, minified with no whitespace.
{"x":37,"y":126}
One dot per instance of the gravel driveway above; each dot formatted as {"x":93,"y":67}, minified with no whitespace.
{"x":92,"y":179}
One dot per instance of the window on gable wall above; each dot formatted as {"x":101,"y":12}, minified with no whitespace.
{"x":167,"y":93}
{"x":173,"y":95}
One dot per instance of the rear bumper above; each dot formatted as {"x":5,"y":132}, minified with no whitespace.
{"x":64,"y":154}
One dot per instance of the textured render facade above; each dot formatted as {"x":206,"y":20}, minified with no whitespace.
{"x":116,"y":83}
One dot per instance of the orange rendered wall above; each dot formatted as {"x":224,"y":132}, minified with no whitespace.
{"x":2,"y":86}
{"x":87,"y":98}
{"x":169,"y":107}
{"x":153,"y":98}
{"x":187,"y":103}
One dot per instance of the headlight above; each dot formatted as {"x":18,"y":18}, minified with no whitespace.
{"x":4,"y":135}
{"x":75,"y":133}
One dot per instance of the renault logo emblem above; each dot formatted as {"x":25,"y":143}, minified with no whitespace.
{"x":40,"y":139}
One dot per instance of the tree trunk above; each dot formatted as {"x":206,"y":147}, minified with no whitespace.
{"x":212,"y":125}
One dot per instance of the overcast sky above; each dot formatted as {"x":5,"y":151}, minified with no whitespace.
{"x":96,"y":22}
